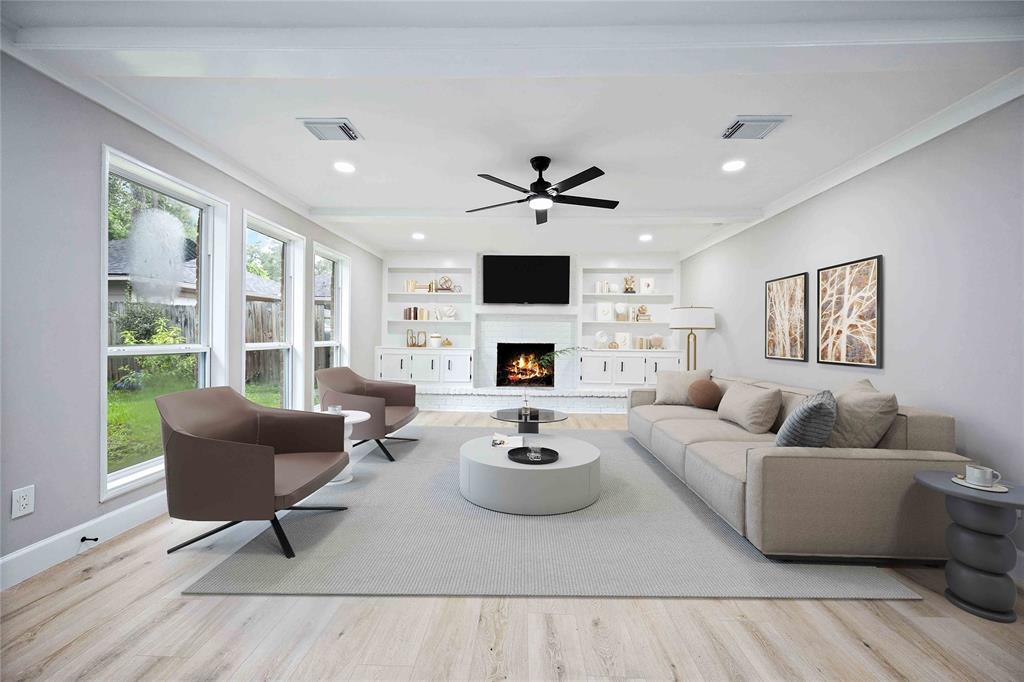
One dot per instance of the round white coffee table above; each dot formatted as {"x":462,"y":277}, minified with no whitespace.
{"x":489,"y":479}
{"x":352,"y":417}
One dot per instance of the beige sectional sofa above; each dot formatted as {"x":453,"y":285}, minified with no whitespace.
{"x":807,"y":502}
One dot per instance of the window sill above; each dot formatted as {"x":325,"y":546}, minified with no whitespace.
{"x":133,"y":478}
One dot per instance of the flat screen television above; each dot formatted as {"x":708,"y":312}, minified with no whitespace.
{"x":526,"y":279}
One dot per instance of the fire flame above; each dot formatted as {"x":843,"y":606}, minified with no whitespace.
{"x":525,"y":368}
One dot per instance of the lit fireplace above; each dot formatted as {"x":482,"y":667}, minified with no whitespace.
{"x":519,"y":364}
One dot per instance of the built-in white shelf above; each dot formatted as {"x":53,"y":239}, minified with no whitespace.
{"x":626,"y":323}
{"x":426,"y":295}
{"x":403,"y":321}
{"x":440,"y":271}
{"x":629,"y":271}
{"x":653,"y":298}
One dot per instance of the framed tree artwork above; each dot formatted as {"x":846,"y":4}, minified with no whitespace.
{"x":850,"y":313}
{"x":785,"y":318}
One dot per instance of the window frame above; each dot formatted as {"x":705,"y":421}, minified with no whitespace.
{"x":214,"y":216}
{"x":340,"y":357}
{"x":292,"y":293}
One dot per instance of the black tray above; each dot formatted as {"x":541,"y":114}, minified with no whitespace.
{"x":522,"y":456}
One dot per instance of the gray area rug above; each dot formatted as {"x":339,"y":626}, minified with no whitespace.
{"x":408,"y":531}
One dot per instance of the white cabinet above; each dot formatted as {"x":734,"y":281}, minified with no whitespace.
{"x":457,"y":367}
{"x":426,"y":367}
{"x":658,"y":362}
{"x":595,"y":369}
{"x":394,"y":365}
{"x":628,"y":369}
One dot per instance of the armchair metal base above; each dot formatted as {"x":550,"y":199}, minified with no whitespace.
{"x":286,"y":546}
{"x":381,"y":445}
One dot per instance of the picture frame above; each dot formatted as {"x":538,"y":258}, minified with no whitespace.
{"x":647,"y":285}
{"x":605,"y":311}
{"x":844,"y":336}
{"x":785,"y":318}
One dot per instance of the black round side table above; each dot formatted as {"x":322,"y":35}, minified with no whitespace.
{"x":981,"y":554}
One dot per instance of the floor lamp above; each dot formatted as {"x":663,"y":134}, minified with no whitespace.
{"x":692,"y":317}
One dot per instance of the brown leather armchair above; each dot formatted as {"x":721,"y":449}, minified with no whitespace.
{"x":391,"y":404}
{"x":227,"y":458}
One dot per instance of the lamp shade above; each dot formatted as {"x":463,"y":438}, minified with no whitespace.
{"x":692,"y":317}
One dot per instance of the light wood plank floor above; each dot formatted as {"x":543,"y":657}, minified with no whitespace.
{"x":116,"y":612}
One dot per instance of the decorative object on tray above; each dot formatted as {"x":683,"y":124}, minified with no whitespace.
{"x":785,"y":318}
{"x":601,"y":339}
{"x":850,"y":313}
{"x":605,"y":311}
{"x":444,"y":283}
{"x":447,"y":343}
{"x":629,"y":284}
{"x":533,"y":454}
{"x":643,"y":314}
{"x":621,"y":312}
{"x":647,"y":285}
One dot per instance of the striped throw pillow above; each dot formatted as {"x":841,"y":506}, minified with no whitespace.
{"x":810,"y":424}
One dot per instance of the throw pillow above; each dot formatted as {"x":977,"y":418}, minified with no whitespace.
{"x":672,"y":386}
{"x":751,"y":407}
{"x":704,"y":394}
{"x":863,"y":415}
{"x":810,"y":424}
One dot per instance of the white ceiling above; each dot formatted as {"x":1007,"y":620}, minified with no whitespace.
{"x":438,"y":105}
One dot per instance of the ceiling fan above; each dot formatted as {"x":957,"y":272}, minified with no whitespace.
{"x":542,"y":195}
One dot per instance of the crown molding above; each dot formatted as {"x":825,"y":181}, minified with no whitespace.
{"x":978,"y":103}
{"x":109,"y":98}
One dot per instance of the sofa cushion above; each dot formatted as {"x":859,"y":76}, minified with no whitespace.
{"x":751,"y":407}
{"x":672,"y":386}
{"x":810,"y":425}
{"x":670,"y":438}
{"x":717,"y":472}
{"x":704,"y":394}
{"x":643,"y":417}
{"x":863,"y":416}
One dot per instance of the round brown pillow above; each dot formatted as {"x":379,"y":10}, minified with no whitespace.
{"x":704,"y":394}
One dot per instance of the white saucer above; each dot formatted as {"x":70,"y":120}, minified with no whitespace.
{"x":997,"y":488}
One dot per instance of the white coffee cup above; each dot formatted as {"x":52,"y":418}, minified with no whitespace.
{"x":983,"y":476}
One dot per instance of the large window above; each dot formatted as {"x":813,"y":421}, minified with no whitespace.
{"x":157,"y":339}
{"x":328,"y":337}
{"x":268,"y":315}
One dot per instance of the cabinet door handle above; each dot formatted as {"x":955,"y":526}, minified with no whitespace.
{"x":401,"y":363}
{"x":605,"y":366}
{"x":655,"y":365}
{"x":431,"y":365}
{"x":622,"y":366}
{"x":449,"y":365}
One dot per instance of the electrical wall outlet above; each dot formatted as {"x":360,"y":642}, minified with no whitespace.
{"x":23,"y":501}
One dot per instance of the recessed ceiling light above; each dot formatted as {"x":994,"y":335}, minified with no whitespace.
{"x":645,"y":237}
{"x":344,"y":167}
{"x":540,"y":203}
{"x":734,"y":165}
{"x":418,"y":236}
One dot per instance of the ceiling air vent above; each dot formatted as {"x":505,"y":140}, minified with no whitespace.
{"x":752,"y":127}
{"x":332,"y":129}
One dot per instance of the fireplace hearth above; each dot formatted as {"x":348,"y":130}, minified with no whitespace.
{"x":519,"y":364}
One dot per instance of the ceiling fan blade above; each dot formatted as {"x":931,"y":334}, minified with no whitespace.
{"x":584,"y":201}
{"x":517,"y":188}
{"x":578,"y":179}
{"x":507,"y":203}
{"x":542,"y":217}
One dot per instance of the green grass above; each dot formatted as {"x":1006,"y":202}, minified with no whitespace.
{"x":268,"y":395}
{"x":133,"y":425}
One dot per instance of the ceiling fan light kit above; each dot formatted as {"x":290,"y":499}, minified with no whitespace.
{"x":542,"y":195}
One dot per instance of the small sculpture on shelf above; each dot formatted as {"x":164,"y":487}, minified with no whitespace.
{"x":447,"y":343}
{"x":444,"y":283}
{"x":642,"y":313}
{"x":629,"y":284}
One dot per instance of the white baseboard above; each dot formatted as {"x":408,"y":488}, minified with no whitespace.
{"x":37,"y":557}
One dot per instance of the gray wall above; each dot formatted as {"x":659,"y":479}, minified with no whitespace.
{"x":948,"y":217}
{"x":52,"y":154}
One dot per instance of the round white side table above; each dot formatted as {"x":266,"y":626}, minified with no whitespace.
{"x":489,"y":479}
{"x":352,"y":417}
